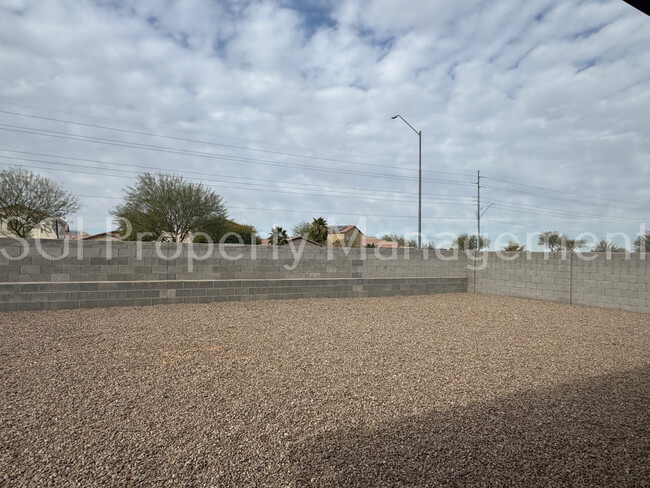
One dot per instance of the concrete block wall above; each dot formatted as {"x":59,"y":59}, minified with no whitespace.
{"x":130,"y":261}
{"x":50,"y":275}
{"x":66,"y":295}
{"x":525,"y":275}
{"x":620,"y":280}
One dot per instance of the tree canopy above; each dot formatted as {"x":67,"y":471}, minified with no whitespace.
{"x":28,"y":199}
{"x":318,"y":230}
{"x":606,"y":246}
{"x":301,"y":229}
{"x":467,"y":242}
{"x":513,"y":247}
{"x":401,"y":240}
{"x":219,"y":227}
{"x":556,"y":241}
{"x":278,"y":236}
{"x":167,"y":207}
{"x":642,"y":242}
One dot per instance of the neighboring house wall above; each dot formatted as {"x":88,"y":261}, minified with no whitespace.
{"x":51,"y":228}
{"x":349,"y":234}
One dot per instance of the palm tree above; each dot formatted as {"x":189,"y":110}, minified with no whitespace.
{"x":278,"y":236}
{"x":318,"y":230}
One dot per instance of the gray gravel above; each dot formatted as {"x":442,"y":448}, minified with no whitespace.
{"x":404,"y":391}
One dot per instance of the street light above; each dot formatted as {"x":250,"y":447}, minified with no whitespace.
{"x":419,"y":133}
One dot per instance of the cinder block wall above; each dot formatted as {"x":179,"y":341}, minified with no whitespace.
{"x":50,"y":275}
{"x":131,"y":261}
{"x":619,"y":280}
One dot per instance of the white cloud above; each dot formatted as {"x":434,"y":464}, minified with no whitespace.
{"x":544,"y":93}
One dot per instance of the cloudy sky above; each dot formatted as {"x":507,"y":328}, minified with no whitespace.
{"x":284,"y":107}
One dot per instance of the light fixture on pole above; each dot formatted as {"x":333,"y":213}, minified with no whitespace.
{"x":419,"y":133}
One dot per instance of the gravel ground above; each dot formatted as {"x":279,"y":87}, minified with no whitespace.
{"x":403,"y":391}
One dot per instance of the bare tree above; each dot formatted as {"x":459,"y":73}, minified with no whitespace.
{"x":28,"y":199}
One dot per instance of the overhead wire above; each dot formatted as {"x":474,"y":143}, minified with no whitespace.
{"x":231,"y":187}
{"x":256,"y":186}
{"x":201,"y":173}
{"x":134,"y":145}
{"x":230,"y":146}
{"x":287,"y":186}
{"x":210,"y":135}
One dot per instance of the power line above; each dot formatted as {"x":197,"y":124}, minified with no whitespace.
{"x":230,"y":146}
{"x":316,"y":212}
{"x":547,"y":210}
{"x":313,"y":212}
{"x":113,"y":142}
{"x":576,"y":196}
{"x":566,"y":217}
{"x":209,"y":134}
{"x":275,"y":189}
{"x":214,"y":175}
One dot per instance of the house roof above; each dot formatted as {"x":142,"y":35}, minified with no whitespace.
{"x":342,"y":229}
{"x":297,"y":238}
{"x":113,"y":233}
{"x":378,"y":242}
{"x":77,"y":234}
{"x":265,"y":242}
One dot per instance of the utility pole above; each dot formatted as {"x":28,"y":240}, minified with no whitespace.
{"x":478,"y":209}
{"x":479,"y":214}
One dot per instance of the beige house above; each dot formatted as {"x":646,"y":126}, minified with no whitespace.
{"x":376,"y":242}
{"x":350,"y":235}
{"x":50,"y":228}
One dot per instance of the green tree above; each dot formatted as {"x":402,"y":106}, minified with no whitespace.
{"x":278,"y":236}
{"x":167,"y":207}
{"x":301,"y":229}
{"x":318,"y":230}
{"x":218,"y":227}
{"x":605,"y":246}
{"x":401,"y":240}
{"x":28,"y":199}
{"x":642,"y":242}
{"x":513,"y":246}
{"x":555,"y":241}
{"x":391,"y":238}
{"x":467,"y":242}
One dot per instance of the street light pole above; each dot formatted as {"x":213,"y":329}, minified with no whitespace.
{"x":419,"y":133}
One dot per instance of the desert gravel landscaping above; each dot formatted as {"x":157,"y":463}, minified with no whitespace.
{"x":449,"y":390}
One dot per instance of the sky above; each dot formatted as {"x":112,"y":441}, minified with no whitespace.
{"x":284,"y":109}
